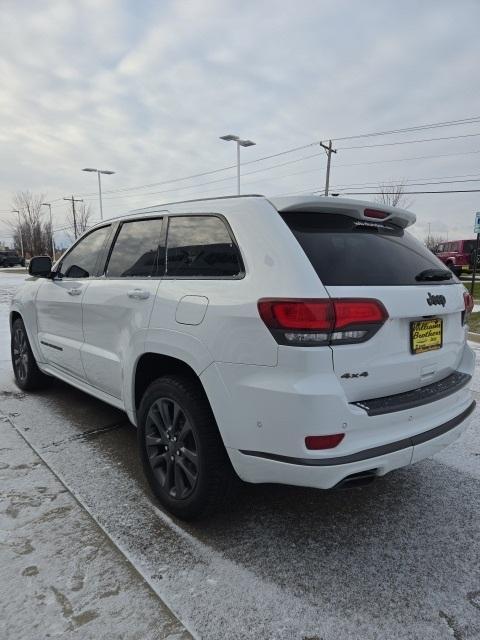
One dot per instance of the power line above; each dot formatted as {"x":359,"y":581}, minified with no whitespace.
{"x":436,"y":155}
{"x":434,"y":125}
{"x":315,"y":155}
{"x":284,"y":164}
{"x":471,"y":120}
{"x":422,"y":127}
{"x":405,"y":181}
{"x":391,"y":144}
{"x":391,"y":193}
{"x":202,"y":184}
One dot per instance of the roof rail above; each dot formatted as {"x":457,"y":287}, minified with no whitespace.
{"x":165,"y":204}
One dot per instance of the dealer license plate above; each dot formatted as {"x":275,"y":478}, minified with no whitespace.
{"x":426,"y":335}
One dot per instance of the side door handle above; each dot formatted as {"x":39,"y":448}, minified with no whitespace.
{"x":75,"y":291}
{"x":138,"y":294}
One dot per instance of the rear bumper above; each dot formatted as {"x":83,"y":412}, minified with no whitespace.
{"x":325,"y":473}
{"x":264,"y":414}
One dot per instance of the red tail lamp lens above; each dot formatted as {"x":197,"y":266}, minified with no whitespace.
{"x":355,"y":312}
{"x":375,"y":213}
{"x":297,"y":314}
{"x":323,"y":442}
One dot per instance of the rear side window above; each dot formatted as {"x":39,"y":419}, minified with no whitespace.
{"x":346,"y":251}
{"x":138,"y":250}
{"x":201,"y":247}
{"x":81,"y":261}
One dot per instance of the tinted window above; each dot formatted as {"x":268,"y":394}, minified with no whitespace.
{"x":346,"y":251}
{"x":201,"y":246}
{"x":138,"y":250}
{"x":81,"y":261}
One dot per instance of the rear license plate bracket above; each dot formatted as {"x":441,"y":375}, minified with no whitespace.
{"x":426,"y":335}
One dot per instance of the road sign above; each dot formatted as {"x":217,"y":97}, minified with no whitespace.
{"x":477,"y":222}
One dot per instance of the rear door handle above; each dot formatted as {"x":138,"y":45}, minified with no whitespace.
{"x":138,"y":294}
{"x":75,"y":292}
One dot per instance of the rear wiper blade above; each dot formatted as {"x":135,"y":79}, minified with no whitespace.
{"x":434,"y":274}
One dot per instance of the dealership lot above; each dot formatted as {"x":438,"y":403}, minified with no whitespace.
{"x":396,"y":559}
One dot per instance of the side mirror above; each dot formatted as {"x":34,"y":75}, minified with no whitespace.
{"x":40,"y":266}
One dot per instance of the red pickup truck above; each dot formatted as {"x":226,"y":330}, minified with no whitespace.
{"x":458,"y":255}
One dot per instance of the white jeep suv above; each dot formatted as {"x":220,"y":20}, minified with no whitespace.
{"x":302,"y":340}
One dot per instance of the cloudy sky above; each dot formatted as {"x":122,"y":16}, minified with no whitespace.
{"x":146,"y":89}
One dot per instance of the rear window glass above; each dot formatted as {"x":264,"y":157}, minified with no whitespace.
{"x":346,"y":251}
{"x":201,"y":247}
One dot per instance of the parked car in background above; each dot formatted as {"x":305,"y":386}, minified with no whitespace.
{"x":299,"y":340}
{"x":10,"y":258}
{"x":457,"y":255}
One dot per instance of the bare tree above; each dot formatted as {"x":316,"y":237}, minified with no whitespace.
{"x":433,"y":240}
{"x":29,"y":227}
{"x":83,"y":215}
{"x":393,"y":194}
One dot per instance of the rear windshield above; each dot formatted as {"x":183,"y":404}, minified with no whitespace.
{"x":347,"y":251}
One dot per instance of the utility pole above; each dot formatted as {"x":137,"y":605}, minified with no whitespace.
{"x":72,"y":199}
{"x":328,"y":150}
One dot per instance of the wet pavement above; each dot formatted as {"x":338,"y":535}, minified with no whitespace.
{"x":396,"y":559}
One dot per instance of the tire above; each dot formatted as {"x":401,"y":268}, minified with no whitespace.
{"x":27,"y":374}
{"x":181,"y":450}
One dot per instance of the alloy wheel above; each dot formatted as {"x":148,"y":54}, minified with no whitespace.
{"x":171,"y":448}
{"x":20,"y":354}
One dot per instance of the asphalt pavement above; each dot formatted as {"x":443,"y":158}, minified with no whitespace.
{"x":397,"y":559}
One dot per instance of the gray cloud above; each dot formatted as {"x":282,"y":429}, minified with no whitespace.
{"x":147,"y":88}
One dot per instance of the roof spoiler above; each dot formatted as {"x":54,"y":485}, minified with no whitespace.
{"x":368,"y":211}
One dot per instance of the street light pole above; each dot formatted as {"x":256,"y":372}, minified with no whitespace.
{"x":47,"y":204}
{"x":100,"y":194}
{"x":19,"y":231}
{"x":240,"y":143}
{"x":98,"y":172}
{"x":238,"y":168}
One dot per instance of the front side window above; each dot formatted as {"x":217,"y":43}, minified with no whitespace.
{"x":201,"y":247}
{"x":81,"y":261}
{"x":138,"y":250}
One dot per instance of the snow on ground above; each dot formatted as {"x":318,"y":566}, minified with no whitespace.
{"x":61,"y":575}
{"x":397,"y":559}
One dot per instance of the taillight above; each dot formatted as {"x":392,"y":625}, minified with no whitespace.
{"x":323,"y":442}
{"x":469,"y":304}
{"x":314,"y":322}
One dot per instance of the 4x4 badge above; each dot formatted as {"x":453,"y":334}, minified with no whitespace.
{"x":436,"y":299}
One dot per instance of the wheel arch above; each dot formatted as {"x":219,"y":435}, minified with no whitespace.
{"x":14,"y":315}
{"x":151,"y":365}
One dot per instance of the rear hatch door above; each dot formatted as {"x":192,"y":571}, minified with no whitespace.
{"x":422,"y":339}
